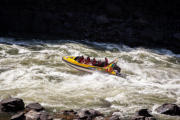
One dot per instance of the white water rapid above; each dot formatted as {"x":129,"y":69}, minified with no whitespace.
{"x":33,"y":70}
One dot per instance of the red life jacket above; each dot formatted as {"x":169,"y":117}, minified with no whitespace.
{"x":99,"y":64}
{"x":106,"y":61}
{"x":81,"y":60}
{"x":94,"y":62}
{"x":88,"y":59}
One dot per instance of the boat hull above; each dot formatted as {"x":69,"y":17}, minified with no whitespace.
{"x":88,"y":68}
{"x":80,"y":67}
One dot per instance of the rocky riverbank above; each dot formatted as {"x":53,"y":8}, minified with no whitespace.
{"x":149,"y":23}
{"x":34,"y":111}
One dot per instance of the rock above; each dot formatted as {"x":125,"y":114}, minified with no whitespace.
{"x":88,"y":114}
{"x":83,"y":114}
{"x":115,"y":117}
{"x":113,"y":11}
{"x":19,"y":116}
{"x":144,"y":112}
{"x":33,"y":115}
{"x":151,"y":34}
{"x":95,"y":113}
{"x":102,"y":20}
{"x":45,"y":116}
{"x":169,"y":109}
{"x":103,"y":101}
{"x":12,"y":105}
{"x":68,"y":112}
{"x":34,"y":106}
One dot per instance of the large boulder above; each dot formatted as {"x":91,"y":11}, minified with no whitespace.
{"x":34,"y":106}
{"x":169,"y":109}
{"x":12,"y":105}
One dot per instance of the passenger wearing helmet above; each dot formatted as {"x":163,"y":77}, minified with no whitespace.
{"x":80,"y":60}
{"x":82,"y":57}
{"x":106,"y":62}
{"x":99,"y":63}
{"x":88,"y":60}
{"x":94,"y":61}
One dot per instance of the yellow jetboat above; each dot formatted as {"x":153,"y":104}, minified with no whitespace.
{"x":111,"y":68}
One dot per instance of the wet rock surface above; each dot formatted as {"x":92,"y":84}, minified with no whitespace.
{"x":34,"y":106}
{"x":148,"y":23}
{"x":11,"y":105}
{"x":143,"y":114}
{"x":33,"y":115}
{"x":34,"y":111}
{"x":169,"y":109}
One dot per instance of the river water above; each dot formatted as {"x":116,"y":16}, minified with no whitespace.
{"x":33,"y":70}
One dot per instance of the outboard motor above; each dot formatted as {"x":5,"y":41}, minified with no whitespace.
{"x":117,"y":68}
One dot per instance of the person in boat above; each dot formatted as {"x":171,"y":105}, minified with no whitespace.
{"x":99,"y":63}
{"x":88,"y":60}
{"x":94,"y":61}
{"x":81,"y":59}
{"x":106,"y":62}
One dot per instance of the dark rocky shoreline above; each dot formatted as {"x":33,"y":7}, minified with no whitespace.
{"x":34,"y":111}
{"x":148,"y":23}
